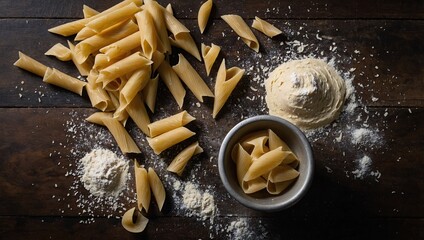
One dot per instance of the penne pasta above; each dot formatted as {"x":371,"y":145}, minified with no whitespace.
{"x":226,"y":81}
{"x":157,"y":188}
{"x":259,"y":147}
{"x":173,"y":25}
{"x":92,"y":44}
{"x":242,"y":160}
{"x":282,"y":173}
{"x":138,"y":80}
{"x":98,"y":97}
{"x":148,"y":34}
{"x":157,"y":59}
{"x":169,"y":139}
{"x":209,"y":55}
{"x":156,"y":11}
{"x":203,"y":15}
{"x":138,"y":113}
{"x":133,"y":221}
{"x":30,"y":64}
{"x":265,"y":163}
{"x":179,"y":163}
{"x":265,"y":27}
{"x":122,"y":137}
{"x":192,"y":79}
{"x":275,"y":141}
{"x":169,"y":9}
{"x":60,"y":52}
{"x":127,"y":65}
{"x":88,"y":11}
{"x":254,"y":185}
{"x":172,"y":82}
{"x":109,"y":19}
{"x":142,"y":187}
{"x":83,"y":68}
{"x":150,"y":92}
{"x":122,"y":46}
{"x":97,"y":117}
{"x":240,"y":27}
{"x":277,"y":188}
{"x":170,"y":123}
{"x":60,"y":79}
{"x":186,"y":42}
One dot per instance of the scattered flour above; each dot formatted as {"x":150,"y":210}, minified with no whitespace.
{"x":197,"y":203}
{"x":363,"y":168}
{"x":242,"y":229}
{"x":364,"y":136}
{"x":104,"y":173}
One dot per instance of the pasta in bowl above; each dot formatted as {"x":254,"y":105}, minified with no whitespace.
{"x":266,"y":163}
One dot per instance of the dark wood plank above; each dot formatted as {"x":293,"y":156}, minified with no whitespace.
{"x":34,"y":183}
{"x":176,"y":228}
{"x":386,"y":56}
{"x":248,"y":9}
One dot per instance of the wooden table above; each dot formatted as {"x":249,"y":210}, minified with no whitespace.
{"x":379,"y":43}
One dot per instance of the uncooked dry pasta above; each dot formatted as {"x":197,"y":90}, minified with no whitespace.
{"x":179,"y":163}
{"x":148,"y":34}
{"x":170,"y":123}
{"x":159,"y":20}
{"x":89,"y":11}
{"x":240,"y":27}
{"x":133,"y":221}
{"x":109,"y":19}
{"x":142,"y":187}
{"x":83,"y":68}
{"x":99,"y":97}
{"x":150,"y":92}
{"x":122,"y":46}
{"x":138,"y":113}
{"x":209,"y":55}
{"x":169,"y":139}
{"x":121,"y":136}
{"x":192,"y":79}
{"x":203,"y":15}
{"x":30,"y":64}
{"x":60,"y":52}
{"x":265,"y":27}
{"x":172,"y":82}
{"x":226,"y":81}
{"x":60,"y":79}
{"x":264,"y":161}
{"x":97,"y":117}
{"x":157,"y":188}
{"x":186,"y":42}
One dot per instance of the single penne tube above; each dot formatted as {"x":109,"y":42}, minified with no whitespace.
{"x":180,"y":161}
{"x":97,"y":117}
{"x":114,"y":85}
{"x":259,"y":147}
{"x":138,"y":113}
{"x":60,"y":52}
{"x":209,"y":55}
{"x":186,"y":42}
{"x":242,"y":30}
{"x":83,"y":68}
{"x":157,"y":188}
{"x":243,"y":160}
{"x":60,"y":79}
{"x":170,"y":123}
{"x":138,"y":80}
{"x":98,"y":97}
{"x":148,"y":34}
{"x":277,"y":188}
{"x":122,"y":46}
{"x":127,"y":65}
{"x":156,"y":11}
{"x":254,"y":185}
{"x":249,"y":137}
{"x":226,"y":81}
{"x":173,"y":25}
{"x":121,"y":136}
{"x":192,"y":79}
{"x":172,"y":82}
{"x":265,"y":27}
{"x":88,"y":11}
{"x":31,"y":65}
{"x":92,"y":44}
{"x":142,"y":187}
{"x":150,"y":92}
{"x":203,"y":15}
{"x":133,"y":221}
{"x":74,"y":27}
{"x":275,"y":141}
{"x":169,"y":139}
{"x":109,"y":19}
{"x":282,"y":173}
{"x":265,"y":163}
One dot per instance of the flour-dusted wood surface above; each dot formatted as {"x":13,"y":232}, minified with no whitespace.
{"x":378,"y":44}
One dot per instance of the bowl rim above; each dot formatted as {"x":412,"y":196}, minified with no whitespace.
{"x":278,"y":206}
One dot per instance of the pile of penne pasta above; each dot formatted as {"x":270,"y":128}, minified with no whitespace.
{"x":264,"y":161}
{"x":122,"y":52}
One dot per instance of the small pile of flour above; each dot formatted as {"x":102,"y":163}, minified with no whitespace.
{"x":241,"y":229}
{"x":104,"y":174}
{"x":364,"y":136}
{"x":197,"y":203}
{"x":363,"y":168}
